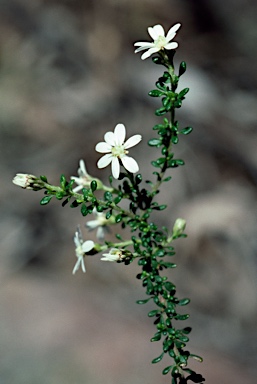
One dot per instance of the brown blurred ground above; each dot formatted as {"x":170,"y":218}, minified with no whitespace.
{"x":68,"y":74}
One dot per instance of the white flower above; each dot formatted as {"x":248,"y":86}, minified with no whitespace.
{"x":115,"y":254}
{"x":115,"y":148}
{"x":160,"y":41}
{"x":84,"y":179}
{"x":101,"y":223}
{"x":24,"y":180}
{"x":81,"y":249}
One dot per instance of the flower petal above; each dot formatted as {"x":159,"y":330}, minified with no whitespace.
{"x":105,"y":160}
{"x":172,"y":45}
{"x":172,"y":31}
{"x":103,"y":147}
{"x":115,"y":167}
{"x":133,"y":140}
{"x":87,"y":246}
{"x":130,"y":164}
{"x":82,"y":167}
{"x":148,"y":46}
{"x":156,"y":31}
{"x":92,"y":224}
{"x":120,"y":134}
{"x":109,"y":137}
{"x":149,"y":53}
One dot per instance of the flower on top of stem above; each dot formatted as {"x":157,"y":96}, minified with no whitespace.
{"x":116,"y":148}
{"x":160,"y":41}
{"x":81,"y":248}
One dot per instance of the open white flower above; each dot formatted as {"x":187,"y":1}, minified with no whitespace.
{"x":82,"y":247}
{"x":115,"y":254}
{"x":101,"y":223}
{"x":115,"y":148}
{"x":84,"y":179}
{"x":160,"y":41}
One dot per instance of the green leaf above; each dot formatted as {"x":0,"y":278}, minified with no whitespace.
{"x":117,"y":199}
{"x":182,"y":68}
{"x":143,"y":301}
{"x":138,"y":178}
{"x":186,"y":330}
{"x":74,"y":204}
{"x":167,"y":178}
{"x":93,"y":185}
{"x":183,"y":92}
{"x":157,"y":359}
{"x":43,"y":178}
{"x":46,"y":200}
{"x":182,"y":317}
{"x":174,"y":139}
{"x":169,"y":286}
{"x":63,"y":181}
{"x":59,"y":195}
{"x":108,"y":196}
{"x":84,"y":210}
{"x":157,"y":60}
{"x":167,"y":264}
{"x":186,"y":131}
{"x":184,"y":302}
{"x":167,"y":369}
{"x":118,"y":218}
{"x":156,"y":337}
{"x":154,"y":142}
{"x":158,"y":126}
{"x":153,"y":313}
{"x":155,"y":93}
{"x":161,"y":111}
{"x":108,"y":214}
{"x":175,"y":163}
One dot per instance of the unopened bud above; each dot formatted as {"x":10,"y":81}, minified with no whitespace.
{"x":179,"y":227}
{"x":27,"y":181}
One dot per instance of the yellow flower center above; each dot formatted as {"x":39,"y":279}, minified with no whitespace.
{"x":160,"y":42}
{"x":119,"y":151}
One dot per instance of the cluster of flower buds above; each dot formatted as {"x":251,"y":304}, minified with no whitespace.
{"x":26,"y":181}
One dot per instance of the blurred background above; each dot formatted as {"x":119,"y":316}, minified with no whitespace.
{"x":68,"y":74}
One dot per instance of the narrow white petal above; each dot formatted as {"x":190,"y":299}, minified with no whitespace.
{"x":115,"y":167}
{"x":172,"y":31}
{"x":120,"y":134}
{"x":143,"y":48}
{"x":92,"y":224}
{"x":133,"y":140}
{"x":76,"y":179}
{"x":105,"y":160}
{"x":172,"y":45}
{"x":156,"y":31}
{"x":76,"y":240}
{"x":83,"y":265}
{"x":130,"y":164}
{"x":87,"y":246}
{"x":76,"y":267}
{"x":103,"y":147}
{"x":100,"y":233}
{"x":145,"y":44}
{"x":78,"y":188}
{"x":82,"y":166}
{"x":149,"y":53}
{"x":109,"y":137}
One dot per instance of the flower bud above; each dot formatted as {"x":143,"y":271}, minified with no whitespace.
{"x":179,"y":227}
{"x":27,"y":181}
